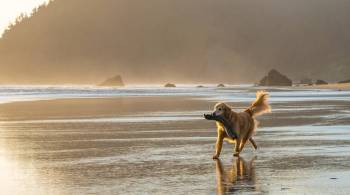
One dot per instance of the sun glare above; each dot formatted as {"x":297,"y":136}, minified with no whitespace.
{"x":11,"y":9}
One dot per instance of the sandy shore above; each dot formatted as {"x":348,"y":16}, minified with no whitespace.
{"x":158,"y":145}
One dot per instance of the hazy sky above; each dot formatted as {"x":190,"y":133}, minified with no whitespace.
{"x":158,"y":41}
{"x":10,"y":9}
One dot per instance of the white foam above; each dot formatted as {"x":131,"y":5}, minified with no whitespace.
{"x":231,"y":93}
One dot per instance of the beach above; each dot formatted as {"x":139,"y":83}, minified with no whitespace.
{"x":154,"y":140}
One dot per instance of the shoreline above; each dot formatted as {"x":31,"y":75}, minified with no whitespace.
{"x":170,"y":108}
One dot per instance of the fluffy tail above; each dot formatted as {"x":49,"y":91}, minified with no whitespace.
{"x":260,"y":105}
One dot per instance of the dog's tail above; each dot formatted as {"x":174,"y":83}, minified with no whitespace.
{"x":260,"y":105}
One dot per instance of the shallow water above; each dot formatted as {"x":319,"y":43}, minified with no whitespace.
{"x":304,"y":148}
{"x":235,"y":93}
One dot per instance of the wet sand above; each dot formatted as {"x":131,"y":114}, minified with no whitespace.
{"x":158,"y":145}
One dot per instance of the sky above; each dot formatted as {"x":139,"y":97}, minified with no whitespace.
{"x":11,"y":9}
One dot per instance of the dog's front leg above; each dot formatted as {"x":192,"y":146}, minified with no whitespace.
{"x":218,"y":146}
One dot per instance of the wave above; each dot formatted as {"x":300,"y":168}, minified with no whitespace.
{"x":231,"y":93}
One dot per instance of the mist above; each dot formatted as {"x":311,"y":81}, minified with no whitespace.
{"x":181,"y":41}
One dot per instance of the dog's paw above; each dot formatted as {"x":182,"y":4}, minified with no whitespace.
{"x":215,"y":156}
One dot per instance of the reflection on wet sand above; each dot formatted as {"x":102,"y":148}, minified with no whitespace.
{"x":155,"y":145}
{"x":239,"y":177}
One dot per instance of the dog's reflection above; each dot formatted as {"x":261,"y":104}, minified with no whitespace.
{"x":240,"y":176}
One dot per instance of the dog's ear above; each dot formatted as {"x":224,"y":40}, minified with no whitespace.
{"x":227,"y":111}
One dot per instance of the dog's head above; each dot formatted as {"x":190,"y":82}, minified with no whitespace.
{"x":222,"y":109}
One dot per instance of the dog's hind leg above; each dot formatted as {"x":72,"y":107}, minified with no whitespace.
{"x":252,"y":141}
{"x":243,"y":142}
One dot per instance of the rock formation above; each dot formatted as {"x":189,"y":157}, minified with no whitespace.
{"x":321,"y":82}
{"x":115,"y":81}
{"x":275,"y":78}
{"x":306,"y":81}
{"x":169,"y":85}
{"x":345,"y":81}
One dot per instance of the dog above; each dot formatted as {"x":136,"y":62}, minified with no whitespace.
{"x":243,"y":123}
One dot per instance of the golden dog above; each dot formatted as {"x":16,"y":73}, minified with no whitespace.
{"x":244,"y":123}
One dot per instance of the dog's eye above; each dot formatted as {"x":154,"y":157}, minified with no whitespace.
{"x":219,"y":109}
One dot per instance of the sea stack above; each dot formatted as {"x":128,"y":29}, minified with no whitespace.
{"x":321,"y":82}
{"x":306,"y":81}
{"x":115,"y":81}
{"x":345,"y":81}
{"x":275,"y":78}
{"x":169,"y":85}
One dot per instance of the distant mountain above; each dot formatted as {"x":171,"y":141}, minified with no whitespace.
{"x":221,"y":41}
